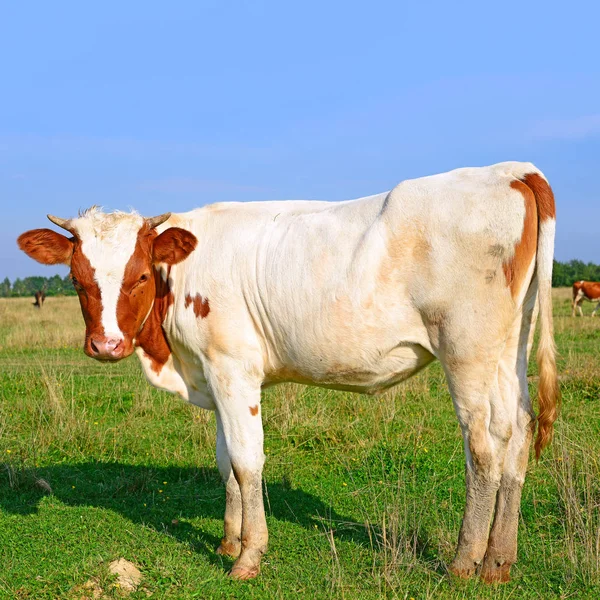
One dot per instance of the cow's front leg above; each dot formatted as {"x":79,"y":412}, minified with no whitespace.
{"x":238,"y":406}
{"x":231,"y":544}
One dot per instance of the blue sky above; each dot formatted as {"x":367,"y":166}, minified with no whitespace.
{"x":168,"y":106}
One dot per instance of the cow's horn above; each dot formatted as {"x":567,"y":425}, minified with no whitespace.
{"x":156,"y":221}
{"x":64,"y":223}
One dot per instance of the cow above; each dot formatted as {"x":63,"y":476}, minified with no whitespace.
{"x":356,"y":295}
{"x":585,"y":290}
{"x":39,"y":296}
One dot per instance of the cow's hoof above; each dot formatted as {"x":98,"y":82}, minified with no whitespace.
{"x":462,"y":573}
{"x":242,"y":573}
{"x":227,"y":548}
{"x":464,"y":569}
{"x":494,"y":571}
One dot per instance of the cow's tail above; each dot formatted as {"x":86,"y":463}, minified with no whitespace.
{"x":548,"y":390}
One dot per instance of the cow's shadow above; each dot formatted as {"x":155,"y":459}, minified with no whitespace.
{"x":134,"y":491}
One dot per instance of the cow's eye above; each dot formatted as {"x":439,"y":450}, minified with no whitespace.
{"x":141,"y":281}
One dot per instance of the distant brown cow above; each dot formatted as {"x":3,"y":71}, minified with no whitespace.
{"x":39,"y":296}
{"x":586,"y":290}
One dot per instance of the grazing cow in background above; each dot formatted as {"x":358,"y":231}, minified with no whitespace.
{"x":39,"y":296}
{"x":585,"y":290}
{"x":358,"y":295}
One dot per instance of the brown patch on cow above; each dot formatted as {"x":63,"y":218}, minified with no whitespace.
{"x":151,"y":337}
{"x":539,"y":207}
{"x":544,"y":196}
{"x":46,"y":246}
{"x":145,"y":293}
{"x":138,"y":287}
{"x":201,"y":305}
{"x":83,"y":276}
{"x":254,"y":410}
{"x":515,"y":270}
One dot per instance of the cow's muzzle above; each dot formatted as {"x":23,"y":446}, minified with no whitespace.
{"x":103,"y":347}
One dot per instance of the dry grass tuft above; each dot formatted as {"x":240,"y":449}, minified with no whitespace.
{"x":58,"y":324}
{"x":575,"y":470}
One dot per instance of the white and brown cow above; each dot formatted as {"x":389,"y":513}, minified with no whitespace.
{"x":585,"y":290}
{"x":358,"y":295}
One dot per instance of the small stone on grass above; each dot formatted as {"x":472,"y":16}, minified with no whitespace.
{"x":128,"y":575}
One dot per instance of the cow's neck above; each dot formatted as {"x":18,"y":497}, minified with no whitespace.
{"x":151,"y":338}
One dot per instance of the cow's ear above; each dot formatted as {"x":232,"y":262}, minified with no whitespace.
{"x":173,"y":245}
{"x":46,"y":246}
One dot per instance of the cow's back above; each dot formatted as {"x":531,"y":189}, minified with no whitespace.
{"x":587,"y":289}
{"x":335,"y":286}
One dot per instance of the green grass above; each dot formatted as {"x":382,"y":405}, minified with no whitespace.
{"x":364,"y":495}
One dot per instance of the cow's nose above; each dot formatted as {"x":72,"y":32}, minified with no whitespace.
{"x":104,"y":347}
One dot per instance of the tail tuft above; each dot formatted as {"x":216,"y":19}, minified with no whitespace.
{"x":548,"y":393}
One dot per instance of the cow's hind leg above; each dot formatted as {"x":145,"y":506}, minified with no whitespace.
{"x":502,"y":545}
{"x":595,"y":309}
{"x":231,"y":543}
{"x":512,"y":375}
{"x":486,"y":431}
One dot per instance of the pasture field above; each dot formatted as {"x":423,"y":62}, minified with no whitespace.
{"x":364,"y":495}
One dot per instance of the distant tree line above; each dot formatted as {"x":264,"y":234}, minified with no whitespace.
{"x":564,"y":275}
{"x":53,"y":286}
{"x":567,"y":273}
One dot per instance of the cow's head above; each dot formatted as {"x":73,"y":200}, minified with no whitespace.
{"x":112,"y":258}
